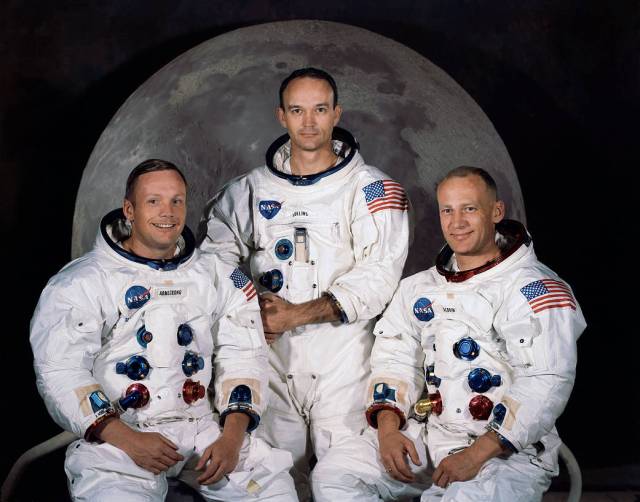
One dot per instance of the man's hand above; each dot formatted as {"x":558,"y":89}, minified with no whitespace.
{"x":221,"y":457}
{"x":460,"y":466}
{"x":279,"y":315}
{"x":394,"y":447}
{"x":149,"y":450}
{"x":464,"y":465}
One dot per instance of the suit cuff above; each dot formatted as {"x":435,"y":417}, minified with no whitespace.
{"x":375,"y":408}
{"x":341,"y":299}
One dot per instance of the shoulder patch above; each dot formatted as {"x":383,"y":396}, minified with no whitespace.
{"x":269,"y":208}
{"x":547,"y":294}
{"x":241,"y":281}
{"x":423,"y":310}
{"x":385,"y":194}
{"x":99,"y":401}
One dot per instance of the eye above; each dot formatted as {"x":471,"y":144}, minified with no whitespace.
{"x":152,"y":201}
{"x":295,"y":111}
{"x":446,"y":210}
{"x":322,"y":109}
{"x":178,"y":202}
{"x":470,"y":209}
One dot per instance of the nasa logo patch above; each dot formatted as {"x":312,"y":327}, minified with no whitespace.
{"x":422,"y":309}
{"x":269,"y":208}
{"x":136,"y":297}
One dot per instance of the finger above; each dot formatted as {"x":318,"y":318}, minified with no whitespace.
{"x":156,"y":466}
{"x":264,"y":316}
{"x":389,"y":463}
{"x":168,"y":461}
{"x":413,"y":453}
{"x":395,"y":474}
{"x":268,"y":322}
{"x":213,"y":479}
{"x":438,"y":476}
{"x":400,"y":470}
{"x":203,"y":459}
{"x":266,"y":297}
{"x":172,"y":454}
{"x":148,"y":466}
{"x":388,"y":467}
{"x":443,"y":482}
{"x":212,"y":474}
{"x":168,"y":442}
{"x":400,"y":461}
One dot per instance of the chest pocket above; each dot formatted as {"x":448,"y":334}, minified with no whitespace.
{"x":459,"y":333}
{"x":302,"y":282}
{"x":304,"y":250}
{"x":524,"y":348}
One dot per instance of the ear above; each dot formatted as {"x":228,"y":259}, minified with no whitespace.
{"x":280,"y":116}
{"x":338,"y":112}
{"x":498,"y":211}
{"x":127,"y":209}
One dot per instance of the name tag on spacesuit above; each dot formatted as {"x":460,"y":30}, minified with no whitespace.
{"x":177,"y":292}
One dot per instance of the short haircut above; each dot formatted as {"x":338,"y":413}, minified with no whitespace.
{"x":464,"y":171}
{"x":148,"y":166}
{"x":309,"y":73}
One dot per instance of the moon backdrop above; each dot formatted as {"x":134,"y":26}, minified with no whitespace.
{"x":211,"y":112}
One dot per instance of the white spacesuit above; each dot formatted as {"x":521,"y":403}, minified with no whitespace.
{"x":114,"y":333}
{"x":497,"y":348}
{"x":342,"y":232}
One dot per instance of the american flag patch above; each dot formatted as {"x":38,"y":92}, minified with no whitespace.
{"x":385,"y":194}
{"x":242,"y":282}
{"x":548,"y":294}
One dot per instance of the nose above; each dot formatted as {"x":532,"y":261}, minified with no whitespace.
{"x":458,"y":219}
{"x":167,"y":208}
{"x":309,"y":118}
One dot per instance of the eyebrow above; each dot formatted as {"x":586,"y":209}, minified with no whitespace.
{"x":289,"y":107}
{"x":462,"y":204}
{"x":181,"y":194}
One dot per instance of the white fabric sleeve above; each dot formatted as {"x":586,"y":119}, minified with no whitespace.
{"x":240,"y":352}
{"x":541,"y":348}
{"x":397,"y":375}
{"x":228,"y":223}
{"x":66,"y":331}
{"x":380,"y":247}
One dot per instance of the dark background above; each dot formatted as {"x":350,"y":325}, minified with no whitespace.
{"x":559,"y":80}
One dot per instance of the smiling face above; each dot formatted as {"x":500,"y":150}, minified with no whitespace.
{"x":469,"y":212}
{"x":308,"y":114}
{"x":157,"y":212}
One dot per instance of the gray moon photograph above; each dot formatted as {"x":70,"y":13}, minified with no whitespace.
{"x":211,"y":111}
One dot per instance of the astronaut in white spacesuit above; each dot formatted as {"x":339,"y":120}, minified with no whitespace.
{"x":123,"y":340}
{"x":493,"y":333}
{"x":325,"y":237}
